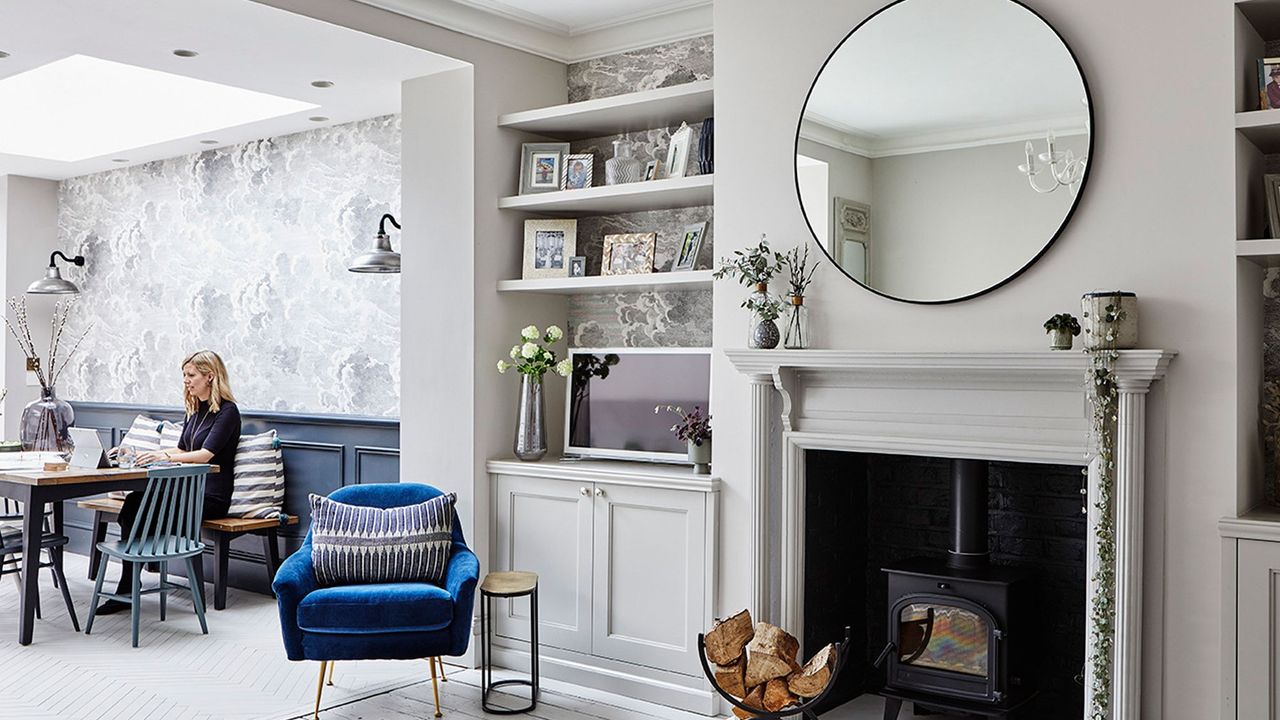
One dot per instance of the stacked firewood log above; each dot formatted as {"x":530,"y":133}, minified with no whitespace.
{"x":757,"y":664}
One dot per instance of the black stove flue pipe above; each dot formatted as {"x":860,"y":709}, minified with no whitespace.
{"x":969,"y":548}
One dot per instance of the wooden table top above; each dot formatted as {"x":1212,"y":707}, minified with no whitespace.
{"x":75,"y":475}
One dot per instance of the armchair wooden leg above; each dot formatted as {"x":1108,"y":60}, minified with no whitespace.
{"x":320,"y":689}
{"x":331,"y":664}
{"x":443,"y":677}
{"x":435,"y":687}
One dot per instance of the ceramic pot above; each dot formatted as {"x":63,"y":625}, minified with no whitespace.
{"x":766,"y":335}
{"x":1110,"y":320}
{"x":45,"y":422}
{"x":700,"y":456}
{"x":1060,"y":339}
{"x":531,"y":428}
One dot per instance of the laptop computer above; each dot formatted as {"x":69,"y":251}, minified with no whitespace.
{"x":88,"y":452}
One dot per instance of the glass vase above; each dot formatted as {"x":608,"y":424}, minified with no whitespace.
{"x":796,"y":336}
{"x":531,"y":428}
{"x":622,"y":167}
{"x":45,"y":422}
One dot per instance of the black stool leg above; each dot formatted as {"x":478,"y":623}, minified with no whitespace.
{"x":484,"y":655}
{"x":533,"y":650}
{"x":271,"y":554}
{"x":486,"y":672}
{"x":891,"y":708}
{"x":221,"y":554}
{"x":99,"y":535}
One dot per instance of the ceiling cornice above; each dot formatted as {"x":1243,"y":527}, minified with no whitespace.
{"x":843,"y":137}
{"x":530,"y":33}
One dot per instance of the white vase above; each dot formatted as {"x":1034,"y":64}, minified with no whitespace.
{"x":700,"y":456}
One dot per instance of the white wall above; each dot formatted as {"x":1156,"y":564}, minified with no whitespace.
{"x":1157,"y":219}
{"x":28,"y":233}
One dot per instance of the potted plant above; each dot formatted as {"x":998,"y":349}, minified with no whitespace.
{"x":45,"y":421}
{"x":1062,"y":327}
{"x":532,"y":359}
{"x":695,"y":429}
{"x":799,"y":276}
{"x":756,"y":266}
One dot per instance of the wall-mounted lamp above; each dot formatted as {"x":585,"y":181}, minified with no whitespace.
{"x":382,"y":259}
{"x":52,"y":282}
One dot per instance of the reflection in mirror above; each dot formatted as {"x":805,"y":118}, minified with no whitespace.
{"x":963,"y":128}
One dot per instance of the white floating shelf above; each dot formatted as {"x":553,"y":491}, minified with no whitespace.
{"x":662,"y":107}
{"x":1263,"y":252}
{"x":687,"y":280}
{"x":631,"y":197}
{"x":1262,"y":127}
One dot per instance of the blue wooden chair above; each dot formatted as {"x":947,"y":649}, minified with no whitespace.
{"x":167,"y":528}
{"x":379,"y":621}
{"x":11,"y":553}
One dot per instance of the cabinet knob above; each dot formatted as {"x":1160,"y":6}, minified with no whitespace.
{"x":583,"y":492}
{"x":599,"y":492}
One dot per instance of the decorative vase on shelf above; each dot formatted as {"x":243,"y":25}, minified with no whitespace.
{"x":1060,"y":340}
{"x":622,"y":167}
{"x":796,"y":336}
{"x":1110,"y":320}
{"x":44,"y":424}
{"x":531,"y":430}
{"x":700,"y":456}
{"x":762,"y":333}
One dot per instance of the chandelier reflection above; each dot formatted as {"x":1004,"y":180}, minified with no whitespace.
{"x":1055,"y":168}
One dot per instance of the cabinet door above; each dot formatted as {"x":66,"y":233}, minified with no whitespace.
{"x":544,"y":526}
{"x":649,"y":579}
{"x":1258,"y":630}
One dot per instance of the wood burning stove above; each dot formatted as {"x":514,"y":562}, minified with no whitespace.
{"x":957,"y":634}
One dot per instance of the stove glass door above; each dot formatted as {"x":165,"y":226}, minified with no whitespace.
{"x":944,"y":637}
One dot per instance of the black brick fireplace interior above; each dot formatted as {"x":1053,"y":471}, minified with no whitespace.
{"x":863,"y":511}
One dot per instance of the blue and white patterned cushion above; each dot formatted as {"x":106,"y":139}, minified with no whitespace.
{"x":259,"y":477}
{"x":356,"y":544}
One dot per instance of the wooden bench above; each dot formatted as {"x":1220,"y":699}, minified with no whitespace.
{"x":221,"y":530}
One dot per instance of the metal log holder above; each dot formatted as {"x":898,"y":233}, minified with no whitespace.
{"x":804,"y":709}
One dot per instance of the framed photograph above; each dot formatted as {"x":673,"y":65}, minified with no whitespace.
{"x":577,"y":171}
{"x":651,"y":170}
{"x":1272,"y":183}
{"x":1268,"y":83}
{"x":630,"y":254}
{"x":578,"y":266}
{"x":548,"y":245}
{"x":541,"y":166}
{"x":678,"y":152}
{"x":687,"y":256}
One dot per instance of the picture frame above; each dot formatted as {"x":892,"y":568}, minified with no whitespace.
{"x":578,"y":266}
{"x":651,"y":170}
{"x":577,"y":171}
{"x":1268,"y":91}
{"x":690,"y":244}
{"x":628,"y":254}
{"x":541,"y":166}
{"x":678,"y":152}
{"x":548,"y":246}
{"x":1272,"y":184}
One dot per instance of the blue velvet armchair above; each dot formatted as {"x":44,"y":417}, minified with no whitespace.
{"x":385,"y":621}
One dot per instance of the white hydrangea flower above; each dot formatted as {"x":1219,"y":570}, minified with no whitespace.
{"x":564,"y":368}
{"x":515,"y":352}
{"x":503,"y":365}
{"x":554,"y":333}
{"x":529,"y":350}
{"x":530,"y":333}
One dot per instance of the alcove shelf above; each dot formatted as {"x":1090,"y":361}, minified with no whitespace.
{"x":1265,"y":252}
{"x":1262,"y":128}
{"x":688,"y":280}
{"x":662,"y":107}
{"x":609,"y":199}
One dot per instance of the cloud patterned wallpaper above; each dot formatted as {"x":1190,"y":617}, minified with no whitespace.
{"x":241,"y":250}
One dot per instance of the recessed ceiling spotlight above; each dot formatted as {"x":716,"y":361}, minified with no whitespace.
{"x":120,"y":160}
{"x":208,"y":142}
{"x":185,"y":53}
{"x":321,"y":83}
{"x":318,"y":118}
{"x":3,"y":54}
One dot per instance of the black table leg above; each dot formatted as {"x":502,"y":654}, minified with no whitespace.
{"x":892,"y":706}
{"x":32,"y":534}
{"x":271,"y":554}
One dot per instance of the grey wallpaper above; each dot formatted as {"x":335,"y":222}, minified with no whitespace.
{"x":672,"y":318}
{"x":675,"y":63}
{"x":242,"y":250}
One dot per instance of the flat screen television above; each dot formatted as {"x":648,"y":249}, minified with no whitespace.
{"x":612,"y":394}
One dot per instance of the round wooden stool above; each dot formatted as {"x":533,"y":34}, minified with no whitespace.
{"x":508,"y":585}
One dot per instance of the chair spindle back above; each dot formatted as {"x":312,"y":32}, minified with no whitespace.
{"x":171,"y":511}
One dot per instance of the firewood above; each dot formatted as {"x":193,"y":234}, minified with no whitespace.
{"x":726,"y":641}
{"x":776,"y":695}
{"x":812,"y":679}
{"x":754,"y":699}
{"x":770,"y":654}
{"x":730,"y":677}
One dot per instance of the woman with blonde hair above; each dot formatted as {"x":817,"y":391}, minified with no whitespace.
{"x":210,"y":435}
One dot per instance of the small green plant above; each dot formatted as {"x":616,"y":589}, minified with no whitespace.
{"x":1063,"y":322}
{"x":753,"y":266}
{"x":766,"y":307}
{"x":693,"y":427}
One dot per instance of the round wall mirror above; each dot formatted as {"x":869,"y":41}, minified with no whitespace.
{"x":943,"y":147}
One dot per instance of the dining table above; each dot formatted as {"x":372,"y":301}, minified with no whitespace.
{"x":37,"y":488}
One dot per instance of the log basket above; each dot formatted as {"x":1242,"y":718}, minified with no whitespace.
{"x":804,"y":709}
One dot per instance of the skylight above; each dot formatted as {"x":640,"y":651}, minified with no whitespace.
{"x":83,"y":107}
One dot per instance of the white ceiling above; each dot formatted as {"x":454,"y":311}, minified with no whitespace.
{"x":240,"y":43}
{"x":947,"y":69}
{"x":574,"y":17}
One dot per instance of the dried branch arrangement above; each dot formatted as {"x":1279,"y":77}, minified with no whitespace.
{"x":20,"y":329}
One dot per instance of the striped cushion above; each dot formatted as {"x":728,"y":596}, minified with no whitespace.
{"x":144,"y":434}
{"x":259,"y":477}
{"x":356,"y":544}
{"x":170,"y":434}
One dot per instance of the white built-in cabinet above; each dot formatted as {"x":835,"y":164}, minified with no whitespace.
{"x":625,"y":557}
{"x":1251,"y":611}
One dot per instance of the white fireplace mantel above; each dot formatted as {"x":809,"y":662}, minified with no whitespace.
{"x":1012,"y":406}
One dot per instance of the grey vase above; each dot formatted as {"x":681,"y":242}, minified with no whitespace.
{"x":531,"y":428}
{"x":765,"y":336}
{"x":622,"y":168}
{"x":44,"y":424}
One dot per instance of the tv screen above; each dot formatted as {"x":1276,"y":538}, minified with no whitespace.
{"x":612,"y":395}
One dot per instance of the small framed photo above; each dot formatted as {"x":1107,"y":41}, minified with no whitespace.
{"x":578,"y":266}
{"x":577,"y":171}
{"x":687,"y":256}
{"x":1272,"y":183}
{"x":1268,"y":83}
{"x":548,"y":245}
{"x":629,"y":254}
{"x":541,"y":166}
{"x":678,"y":152}
{"x":651,"y":170}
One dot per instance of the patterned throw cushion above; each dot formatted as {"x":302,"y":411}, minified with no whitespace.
{"x":259,"y":477}
{"x":355,"y":544}
{"x":170,"y":434}
{"x":144,"y":434}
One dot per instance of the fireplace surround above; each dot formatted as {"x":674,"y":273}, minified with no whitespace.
{"x":1020,"y":407}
